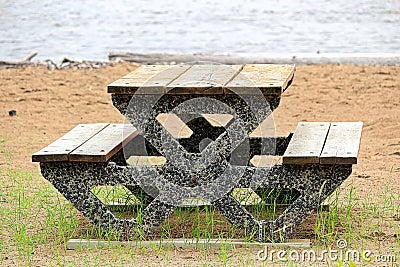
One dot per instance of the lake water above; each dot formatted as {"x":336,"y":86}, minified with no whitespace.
{"x":93,"y":28}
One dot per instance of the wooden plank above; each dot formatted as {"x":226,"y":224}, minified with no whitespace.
{"x":146,"y":160}
{"x":157,"y":160}
{"x":213,"y":243}
{"x":342,"y":143}
{"x":218,"y":120}
{"x":271,"y":79}
{"x":307,"y":143}
{"x":59,"y":150}
{"x":143,"y":161}
{"x":132,"y":160}
{"x":204,"y":79}
{"x":102,"y":146}
{"x":174,"y":125}
{"x":265,"y":129}
{"x":265,"y":160}
{"x":150,"y":79}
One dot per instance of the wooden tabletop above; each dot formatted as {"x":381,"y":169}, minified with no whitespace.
{"x":270,"y":79}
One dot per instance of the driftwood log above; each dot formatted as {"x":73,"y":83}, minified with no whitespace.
{"x":244,"y":58}
{"x":12,"y":64}
{"x":66,"y":63}
{"x":230,"y":59}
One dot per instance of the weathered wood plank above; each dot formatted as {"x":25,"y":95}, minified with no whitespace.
{"x":265,"y":129}
{"x":204,"y":79}
{"x":146,"y":160}
{"x":132,"y":160}
{"x":174,"y":125}
{"x":62,"y":147}
{"x":147,"y":79}
{"x":143,"y":161}
{"x":307,"y":143}
{"x":271,"y":79}
{"x":342,"y":143}
{"x":218,"y":120}
{"x":265,"y":160}
{"x":102,"y":146}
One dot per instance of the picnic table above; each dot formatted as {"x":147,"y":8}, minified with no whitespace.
{"x":209,"y":151}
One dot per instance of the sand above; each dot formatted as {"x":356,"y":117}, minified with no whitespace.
{"x":50,"y":103}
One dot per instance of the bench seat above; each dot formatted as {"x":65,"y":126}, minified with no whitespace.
{"x":324,"y":143}
{"x":96,"y":142}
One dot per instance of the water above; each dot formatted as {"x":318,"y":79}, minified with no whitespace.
{"x":93,"y":28}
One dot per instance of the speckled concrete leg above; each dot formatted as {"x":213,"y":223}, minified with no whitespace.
{"x":155,"y":213}
{"x":75,"y":181}
{"x":119,"y":159}
{"x":297,"y":212}
{"x":314,"y":182}
{"x":236,"y":214}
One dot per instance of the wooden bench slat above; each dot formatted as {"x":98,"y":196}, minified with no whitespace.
{"x":102,"y":146}
{"x":342,"y":143}
{"x":60,"y":149}
{"x":145,"y":160}
{"x":218,"y":120}
{"x":174,"y":125}
{"x":152,"y":79}
{"x":271,"y":79}
{"x":307,"y":143}
{"x":204,"y":79}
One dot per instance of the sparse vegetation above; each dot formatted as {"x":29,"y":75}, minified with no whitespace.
{"x":35,"y":217}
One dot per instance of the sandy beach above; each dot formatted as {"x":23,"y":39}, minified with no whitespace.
{"x":50,"y":103}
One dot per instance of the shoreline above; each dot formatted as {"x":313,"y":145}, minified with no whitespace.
{"x":356,"y":59}
{"x":384,"y":59}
